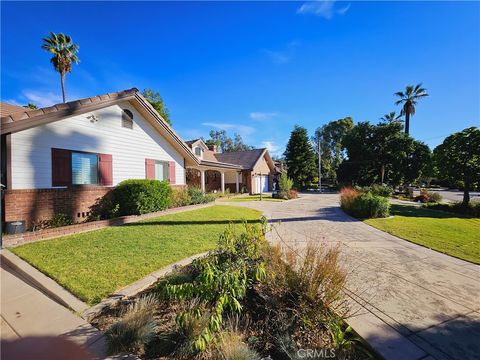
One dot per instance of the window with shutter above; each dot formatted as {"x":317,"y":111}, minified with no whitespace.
{"x":61,"y":167}
{"x":84,"y":168}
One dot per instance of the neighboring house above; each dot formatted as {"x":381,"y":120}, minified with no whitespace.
{"x":64,"y":158}
{"x":256,"y":175}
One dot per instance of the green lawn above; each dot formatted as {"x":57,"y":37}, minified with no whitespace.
{"x":94,"y":264}
{"x":251,"y":198}
{"x":448,"y":233}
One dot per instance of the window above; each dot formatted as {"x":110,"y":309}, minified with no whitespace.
{"x":84,"y":168}
{"x":161,"y":170}
{"x":127,"y":119}
{"x":198,"y":151}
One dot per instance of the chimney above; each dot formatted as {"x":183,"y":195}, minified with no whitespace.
{"x":212,"y":148}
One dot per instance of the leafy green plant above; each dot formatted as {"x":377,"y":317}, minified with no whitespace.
{"x":222,"y":280}
{"x":197,"y":195}
{"x":180,"y":197}
{"x":135,"y":329}
{"x":136,"y":197}
{"x":364,"y":205}
{"x":285,"y":182}
{"x":59,"y":220}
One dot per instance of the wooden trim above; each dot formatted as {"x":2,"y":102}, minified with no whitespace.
{"x":8,"y":142}
{"x":19,"y":125}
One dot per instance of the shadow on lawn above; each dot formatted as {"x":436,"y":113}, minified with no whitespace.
{"x":191,"y":222}
{"x":418,"y":212}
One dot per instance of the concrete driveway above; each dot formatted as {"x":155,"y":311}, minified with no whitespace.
{"x":408,"y":302}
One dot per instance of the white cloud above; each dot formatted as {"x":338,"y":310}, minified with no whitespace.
{"x":322,"y":8}
{"x":272,"y":148}
{"x":238,"y":128}
{"x":42,"y":99}
{"x":282,"y":56}
{"x":262,"y":115}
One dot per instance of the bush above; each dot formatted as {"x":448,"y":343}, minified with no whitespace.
{"x":473,"y":208}
{"x":57,"y":220}
{"x":286,"y":195}
{"x":180,"y":197}
{"x":231,"y":347}
{"x":428,"y":197}
{"x":136,"y":197}
{"x":197,"y":195}
{"x":364,"y":205}
{"x":285,"y":183}
{"x":434,"y":197}
{"x":221,"y":282}
{"x":381,"y":190}
{"x":136,"y":328}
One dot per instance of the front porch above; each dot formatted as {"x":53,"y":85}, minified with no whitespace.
{"x":215,"y":179}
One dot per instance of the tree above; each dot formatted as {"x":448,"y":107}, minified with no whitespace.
{"x":156,"y":101}
{"x":391,"y":117}
{"x":458,"y":160}
{"x":330,"y":136}
{"x":31,"y":106}
{"x":300,"y":158}
{"x":64,"y":53}
{"x":418,"y":162}
{"x":221,"y":139}
{"x":408,"y":100}
{"x":381,"y":153}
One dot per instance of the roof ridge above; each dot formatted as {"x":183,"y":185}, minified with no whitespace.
{"x":27,"y":114}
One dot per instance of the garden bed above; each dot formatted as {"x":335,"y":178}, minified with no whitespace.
{"x":245,"y":300}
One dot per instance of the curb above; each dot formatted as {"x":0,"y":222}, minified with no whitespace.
{"x":42,"y":282}
{"x":136,"y":287}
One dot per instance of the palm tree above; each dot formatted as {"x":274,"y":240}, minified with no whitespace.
{"x":64,"y":53}
{"x":391,"y":117}
{"x":409,"y":99}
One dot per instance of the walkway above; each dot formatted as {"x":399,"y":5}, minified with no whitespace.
{"x":408,"y":302}
{"x":27,"y":312}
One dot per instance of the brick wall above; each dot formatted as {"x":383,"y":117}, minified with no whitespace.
{"x":34,"y":205}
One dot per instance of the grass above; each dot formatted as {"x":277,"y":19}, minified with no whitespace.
{"x":448,"y":233}
{"x":252,"y":198}
{"x":94,"y":264}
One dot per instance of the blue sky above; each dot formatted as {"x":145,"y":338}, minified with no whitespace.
{"x":257,"y":68}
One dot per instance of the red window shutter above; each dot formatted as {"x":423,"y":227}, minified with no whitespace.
{"x":150,"y":169}
{"x":105,"y":169}
{"x":171,"y":172}
{"x":61,"y":167}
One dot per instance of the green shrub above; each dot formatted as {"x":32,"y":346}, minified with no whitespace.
{"x":381,"y":190}
{"x":136,"y":328}
{"x":473,"y":208}
{"x":286,"y":195}
{"x":180,"y":197}
{"x":366,"y":205}
{"x":57,"y":220}
{"x":136,"y":197}
{"x":285,"y":183}
{"x":197,"y":195}
{"x":222,"y":281}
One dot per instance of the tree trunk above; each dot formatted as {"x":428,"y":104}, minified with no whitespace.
{"x":407,"y":122}
{"x":62,"y":77}
{"x":382,"y":172}
{"x":466,"y":194}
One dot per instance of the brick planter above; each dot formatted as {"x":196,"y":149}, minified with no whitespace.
{"x":18,"y":239}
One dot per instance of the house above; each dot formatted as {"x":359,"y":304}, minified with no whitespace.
{"x":257,"y":172}
{"x":63,"y":158}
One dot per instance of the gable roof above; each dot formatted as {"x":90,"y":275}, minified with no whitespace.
{"x":27,"y":119}
{"x":7,"y":109}
{"x":247,"y":159}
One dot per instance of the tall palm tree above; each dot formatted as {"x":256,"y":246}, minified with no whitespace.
{"x":391,"y":117}
{"x":64,"y":53}
{"x":409,"y":99}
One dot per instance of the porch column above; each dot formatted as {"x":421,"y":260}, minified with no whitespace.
{"x":222,"y":176}
{"x":202,"y":179}
{"x":237,"y":182}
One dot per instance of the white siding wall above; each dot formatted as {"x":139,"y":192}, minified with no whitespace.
{"x":31,"y":149}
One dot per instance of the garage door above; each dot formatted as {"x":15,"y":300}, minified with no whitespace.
{"x":261,"y":184}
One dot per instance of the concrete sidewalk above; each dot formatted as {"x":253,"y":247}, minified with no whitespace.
{"x":408,"y":302}
{"x":26,"y":311}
